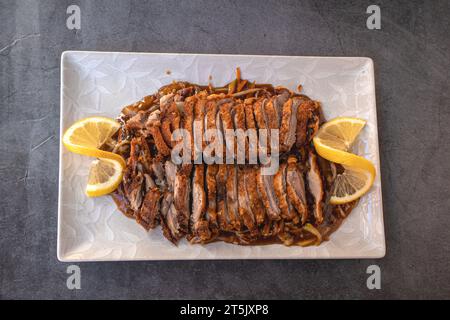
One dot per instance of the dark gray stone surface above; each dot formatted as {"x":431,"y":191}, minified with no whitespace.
{"x":411,"y":55}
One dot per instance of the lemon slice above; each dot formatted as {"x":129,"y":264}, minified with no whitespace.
{"x":350,"y":185}
{"x":332,"y":142}
{"x":105,"y":176}
{"x":86,"y":136}
{"x":341,"y":132}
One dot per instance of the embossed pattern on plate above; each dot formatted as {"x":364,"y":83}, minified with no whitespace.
{"x":101,"y":83}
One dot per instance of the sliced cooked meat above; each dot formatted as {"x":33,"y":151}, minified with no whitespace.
{"x":145,"y":157}
{"x":188,"y":120}
{"x":149,"y":183}
{"x":137,"y":122}
{"x":211,"y":186}
{"x":153,"y":125}
{"x":271,"y":120}
{"x":210,"y":120}
{"x":265,"y":188}
{"x":133,"y":190}
{"x":222,"y":209}
{"x":263,"y":129}
{"x":182,"y":190}
{"x":169,"y":229}
{"x":228,"y":131}
{"x":253,"y":196}
{"x":252,"y":134}
{"x":307,"y":118}
{"x":158,"y":171}
{"x":198,"y":224}
{"x":175,"y":223}
{"x":165,"y":101}
{"x":170,"y":122}
{"x":245,"y":207}
{"x":232,"y":198}
{"x":289,"y":124}
{"x":279,"y":184}
{"x":160,"y":144}
{"x":241,"y":145}
{"x":199,"y":129}
{"x":295,"y":188}
{"x":170,"y":170}
{"x":278,"y":102}
{"x":315,"y":185}
{"x":149,"y":212}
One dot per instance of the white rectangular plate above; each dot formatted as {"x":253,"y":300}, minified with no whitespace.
{"x":101,"y":83}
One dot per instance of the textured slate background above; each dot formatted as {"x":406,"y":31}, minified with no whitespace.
{"x":411,"y":54}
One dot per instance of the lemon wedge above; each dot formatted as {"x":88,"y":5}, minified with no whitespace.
{"x":86,"y":136}
{"x":332,"y":142}
{"x":105,"y":176}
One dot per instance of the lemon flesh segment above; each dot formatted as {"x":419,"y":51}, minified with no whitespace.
{"x":105,"y":176}
{"x":332,"y":142}
{"x":86,"y":136}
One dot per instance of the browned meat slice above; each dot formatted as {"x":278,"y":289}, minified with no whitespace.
{"x":166,"y":101}
{"x":296,"y":188}
{"x":148,"y":215}
{"x":263,"y":127}
{"x":272,"y":118}
{"x":175,"y":223}
{"x":188,"y":120}
{"x":252,"y":134}
{"x":308,"y":118}
{"x":228,"y":131}
{"x":279,"y":184}
{"x":254,"y":199}
{"x":158,"y":171}
{"x":137,"y":122}
{"x":241,"y":146}
{"x":182,"y":190}
{"x":211,"y":213}
{"x":153,"y":125}
{"x":289,"y":124}
{"x":133,"y":187}
{"x":170,"y":122}
{"x":145,"y":157}
{"x":160,"y":144}
{"x":170,"y":170}
{"x":148,"y":182}
{"x":122,"y":202}
{"x":260,"y":115}
{"x":222,"y":209}
{"x":168,"y":225}
{"x":245,"y":211}
{"x":278,"y":101}
{"x":232,"y":197}
{"x":199,"y":128}
{"x":315,"y":185}
{"x":210,"y":121}
{"x":198,"y":224}
{"x":265,"y":188}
